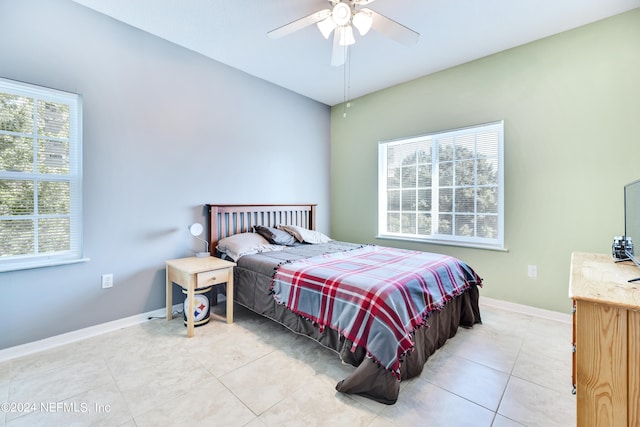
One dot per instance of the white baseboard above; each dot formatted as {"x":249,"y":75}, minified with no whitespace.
{"x":526,"y":309}
{"x":92,"y":331}
{"x":80,"y":334}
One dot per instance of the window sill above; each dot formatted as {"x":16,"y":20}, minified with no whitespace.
{"x":445,"y":243}
{"x":39,"y":264}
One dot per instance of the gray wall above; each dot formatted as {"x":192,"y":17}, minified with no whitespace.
{"x":165,"y":131}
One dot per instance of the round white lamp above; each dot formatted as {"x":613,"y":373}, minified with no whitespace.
{"x":196,"y":230}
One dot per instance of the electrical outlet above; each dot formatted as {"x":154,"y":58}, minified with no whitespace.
{"x":532,"y":271}
{"x":107,"y":280}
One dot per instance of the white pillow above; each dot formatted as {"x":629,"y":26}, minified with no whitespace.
{"x":303,"y":235}
{"x":245,"y":244}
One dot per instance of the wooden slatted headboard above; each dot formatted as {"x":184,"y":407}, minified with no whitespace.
{"x":227,"y":220}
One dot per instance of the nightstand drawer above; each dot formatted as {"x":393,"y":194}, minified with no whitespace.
{"x":210,"y":278}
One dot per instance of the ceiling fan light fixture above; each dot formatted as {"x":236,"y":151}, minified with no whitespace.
{"x":363,"y":20}
{"x":340,"y":19}
{"x":346,"y":36}
{"x":341,"y":14}
{"x":326,"y":26}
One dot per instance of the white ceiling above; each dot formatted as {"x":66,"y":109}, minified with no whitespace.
{"x":452,"y":32}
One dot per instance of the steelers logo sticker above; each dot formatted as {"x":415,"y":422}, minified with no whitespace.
{"x":201,"y":307}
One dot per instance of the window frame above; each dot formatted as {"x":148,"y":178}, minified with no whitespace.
{"x":496,"y":243}
{"x":75,"y":252}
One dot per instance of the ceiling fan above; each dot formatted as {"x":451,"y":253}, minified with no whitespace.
{"x":341,"y":18}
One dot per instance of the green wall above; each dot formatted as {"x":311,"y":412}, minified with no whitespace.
{"x":571,"y":109}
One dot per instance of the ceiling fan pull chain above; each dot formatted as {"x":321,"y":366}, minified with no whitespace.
{"x":347,"y":81}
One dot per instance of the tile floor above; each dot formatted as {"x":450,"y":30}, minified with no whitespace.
{"x":513,"y":370}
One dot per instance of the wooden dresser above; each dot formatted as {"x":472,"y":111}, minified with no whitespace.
{"x":606,"y":338}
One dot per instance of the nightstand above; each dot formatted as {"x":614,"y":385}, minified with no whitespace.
{"x":193,"y":273}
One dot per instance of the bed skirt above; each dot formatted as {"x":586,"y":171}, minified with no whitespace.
{"x":369,"y":379}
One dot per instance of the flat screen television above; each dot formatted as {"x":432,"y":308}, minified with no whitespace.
{"x":632,"y":221}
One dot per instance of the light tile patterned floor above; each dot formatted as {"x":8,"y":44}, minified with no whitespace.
{"x":513,"y":370}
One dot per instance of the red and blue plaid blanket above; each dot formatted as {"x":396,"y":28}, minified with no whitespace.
{"x":374,"y":296}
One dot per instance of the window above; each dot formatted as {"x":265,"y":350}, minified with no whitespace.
{"x":40,"y":176}
{"x":445,"y":187}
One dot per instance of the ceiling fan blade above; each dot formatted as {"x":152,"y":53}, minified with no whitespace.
{"x":299,"y":24}
{"x":339,"y":52}
{"x":363,"y":2}
{"x":393,"y":29}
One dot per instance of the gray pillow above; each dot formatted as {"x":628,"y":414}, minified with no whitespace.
{"x":275,"y":236}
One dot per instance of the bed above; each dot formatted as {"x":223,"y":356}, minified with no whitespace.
{"x":272,"y":276}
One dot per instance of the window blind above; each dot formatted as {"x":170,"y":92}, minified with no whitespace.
{"x":445,"y":187}
{"x":40,"y":176}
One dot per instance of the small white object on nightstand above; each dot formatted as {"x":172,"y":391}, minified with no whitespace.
{"x":196,"y":230}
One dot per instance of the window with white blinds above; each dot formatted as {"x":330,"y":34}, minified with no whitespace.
{"x":445,"y":187}
{"x":40,"y":176}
